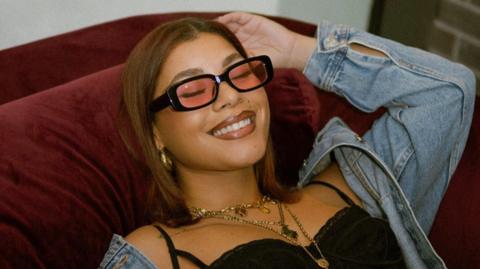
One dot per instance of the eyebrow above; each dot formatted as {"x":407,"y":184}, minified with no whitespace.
{"x":230,"y":58}
{"x":197,"y":71}
{"x":185,"y":73}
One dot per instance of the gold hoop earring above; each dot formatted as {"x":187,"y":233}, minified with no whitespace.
{"x":166,"y":161}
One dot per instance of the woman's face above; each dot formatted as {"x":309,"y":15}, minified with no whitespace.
{"x":208,"y":138}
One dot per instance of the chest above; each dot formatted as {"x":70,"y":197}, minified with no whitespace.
{"x":214,"y":238}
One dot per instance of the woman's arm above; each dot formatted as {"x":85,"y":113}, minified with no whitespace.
{"x":287,"y":49}
{"x":429,"y":102}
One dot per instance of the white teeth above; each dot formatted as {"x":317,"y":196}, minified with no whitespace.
{"x":233,"y":127}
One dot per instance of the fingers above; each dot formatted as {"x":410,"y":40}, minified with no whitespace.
{"x":234,"y":18}
{"x":233,"y":26}
{"x":236,"y":21}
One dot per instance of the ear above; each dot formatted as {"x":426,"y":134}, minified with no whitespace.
{"x":157,"y":139}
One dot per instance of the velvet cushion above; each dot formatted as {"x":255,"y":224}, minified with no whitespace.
{"x":299,"y":110}
{"x":66,"y":180}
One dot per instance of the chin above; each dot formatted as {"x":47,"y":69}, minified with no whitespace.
{"x":246,"y":158}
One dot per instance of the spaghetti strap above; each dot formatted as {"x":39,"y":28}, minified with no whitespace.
{"x":340,"y":193}
{"x":189,"y":256}
{"x":174,"y":253}
{"x":171,"y":247}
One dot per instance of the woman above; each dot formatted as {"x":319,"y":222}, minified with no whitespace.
{"x":196,"y":101}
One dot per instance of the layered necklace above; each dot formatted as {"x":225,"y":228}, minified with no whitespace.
{"x":237,"y":214}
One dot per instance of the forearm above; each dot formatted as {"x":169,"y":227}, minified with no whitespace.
{"x":304,"y":46}
{"x":371,"y":71}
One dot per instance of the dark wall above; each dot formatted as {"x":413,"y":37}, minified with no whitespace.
{"x":450,"y":28}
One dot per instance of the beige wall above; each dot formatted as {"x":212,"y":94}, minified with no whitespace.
{"x":23,"y":21}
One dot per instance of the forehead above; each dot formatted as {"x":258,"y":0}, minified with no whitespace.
{"x":206,"y":49}
{"x":207,"y":52}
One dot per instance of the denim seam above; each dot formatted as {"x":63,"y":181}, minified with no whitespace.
{"x":403,"y":159}
{"x":112,"y":252}
{"x":358,"y":172}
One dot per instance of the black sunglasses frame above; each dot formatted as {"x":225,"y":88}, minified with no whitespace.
{"x":170,"y":98}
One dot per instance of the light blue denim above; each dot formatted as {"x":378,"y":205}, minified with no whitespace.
{"x":401,"y":167}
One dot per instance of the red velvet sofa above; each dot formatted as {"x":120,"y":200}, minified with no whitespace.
{"x":67,"y":181}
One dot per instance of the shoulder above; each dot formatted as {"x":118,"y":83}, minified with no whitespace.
{"x":145,"y":235}
{"x":333,"y":176}
{"x":152,"y":244}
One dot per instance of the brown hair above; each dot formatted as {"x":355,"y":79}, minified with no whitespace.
{"x":165,"y":202}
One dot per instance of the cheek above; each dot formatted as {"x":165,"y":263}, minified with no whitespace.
{"x":261,"y":99}
{"x":267,"y":109}
{"x":181,"y":132}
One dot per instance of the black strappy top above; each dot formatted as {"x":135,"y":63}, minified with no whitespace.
{"x":350,"y":239}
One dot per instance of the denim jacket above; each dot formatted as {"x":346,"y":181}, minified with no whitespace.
{"x":401,"y":167}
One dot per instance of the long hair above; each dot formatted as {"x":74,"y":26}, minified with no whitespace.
{"x":165,"y":202}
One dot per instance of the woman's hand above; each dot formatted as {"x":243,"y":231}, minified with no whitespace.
{"x":260,"y":35}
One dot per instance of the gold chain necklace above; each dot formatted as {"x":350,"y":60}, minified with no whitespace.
{"x":284,"y":231}
{"x":322,"y":262}
{"x":240,"y":209}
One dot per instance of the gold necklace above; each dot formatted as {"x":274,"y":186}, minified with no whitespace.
{"x":284,"y":231}
{"x":240,"y":209}
{"x":322,"y":262}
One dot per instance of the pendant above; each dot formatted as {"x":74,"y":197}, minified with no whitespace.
{"x":323,"y":263}
{"x":264,"y":210}
{"x":242,"y":212}
{"x":288,"y":232}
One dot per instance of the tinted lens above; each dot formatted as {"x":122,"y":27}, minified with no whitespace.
{"x":196,"y":92}
{"x":248,"y":75}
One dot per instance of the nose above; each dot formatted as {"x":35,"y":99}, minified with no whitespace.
{"x":227,"y":97}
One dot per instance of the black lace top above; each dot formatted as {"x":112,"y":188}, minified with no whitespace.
{"x":350,"y":239}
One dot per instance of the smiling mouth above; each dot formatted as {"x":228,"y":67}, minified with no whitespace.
{"x":235,"y":127}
